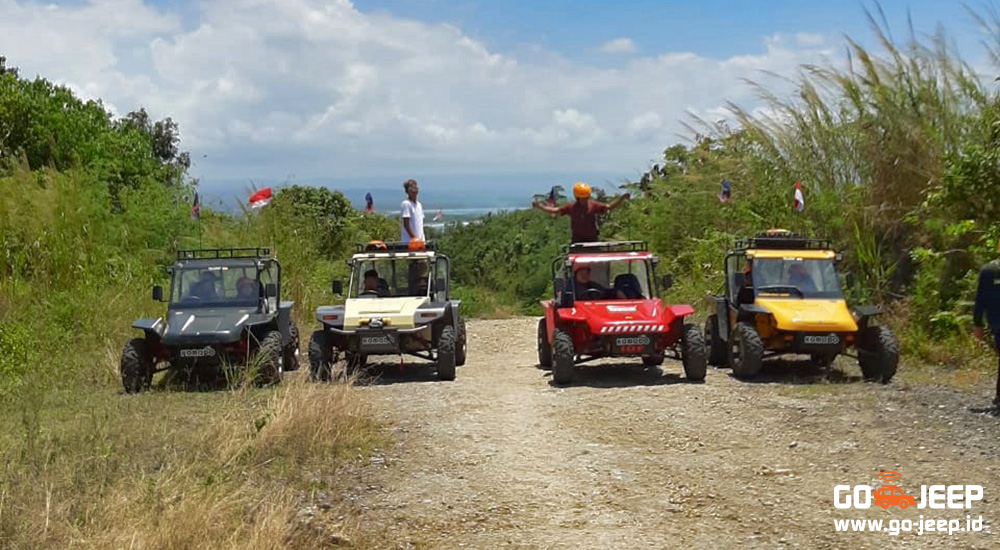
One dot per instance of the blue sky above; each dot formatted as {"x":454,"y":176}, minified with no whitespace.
{"x":491,"y":97}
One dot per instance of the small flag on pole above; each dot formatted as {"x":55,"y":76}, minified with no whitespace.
{"x":799,"y":203}
{"x":725,"y":195}
{"x":369,"y":204}
{"x":196,"y":207}
{"x":260,"y":198}
{"x":439,"y":215}
{"x":551,"y":200}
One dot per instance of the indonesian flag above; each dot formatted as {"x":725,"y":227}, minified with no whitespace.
{"x":725,"y":195}
{"x":260,"y":198}
{"x":439,"y":215}
{"x":196,"y":207}
{"x":800,"y":201}
{"x":369,"y":204}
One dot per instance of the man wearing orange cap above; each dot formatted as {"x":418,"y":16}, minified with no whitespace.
{"x":583,"y":213}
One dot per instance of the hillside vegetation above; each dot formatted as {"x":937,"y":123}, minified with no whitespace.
{"x":92,"y":209}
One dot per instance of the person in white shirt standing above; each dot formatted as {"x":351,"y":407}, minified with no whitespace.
{"x":411,"y":214}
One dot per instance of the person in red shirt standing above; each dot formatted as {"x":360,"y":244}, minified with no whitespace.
{"x":583,"y":213}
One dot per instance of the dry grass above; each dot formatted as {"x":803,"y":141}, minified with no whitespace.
{"x":171,"y":469}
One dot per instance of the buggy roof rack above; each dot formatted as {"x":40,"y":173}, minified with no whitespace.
{"x":594,"y":248}
{"x":391,"y":246}
{"x":224,"y":253}
{"x":780,"y":239}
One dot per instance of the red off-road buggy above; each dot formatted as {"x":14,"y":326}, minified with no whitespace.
{"x":605,"y":305}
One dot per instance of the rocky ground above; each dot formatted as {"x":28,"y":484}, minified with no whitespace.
{"x":634,"y":458}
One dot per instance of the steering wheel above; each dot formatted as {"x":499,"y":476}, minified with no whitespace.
{"x":368,"y":292}
{"x":192,"y":298}
{"x":782,"y":288}
{"x":592,"y":294}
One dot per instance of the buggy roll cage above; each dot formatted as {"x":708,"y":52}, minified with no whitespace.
{"x":599,"y":247}
{"x":253,"y":253}
{"x":260,"y":253}
{"x":392,"y":246}
{"x":781,"y":241}
{"x":569,"y":285}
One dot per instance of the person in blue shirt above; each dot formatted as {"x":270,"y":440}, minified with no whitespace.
{"x":988,"y":305}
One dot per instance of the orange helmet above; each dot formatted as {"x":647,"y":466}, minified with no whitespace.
{"x":416,"y":244}
{"x":581,"y":190}
{"x":376,"y":245}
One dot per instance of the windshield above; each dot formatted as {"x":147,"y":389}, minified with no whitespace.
{"x":612,"y":280}
{"x":390,"y":277}
{"x":796,"y":278}
{"x":217,"y":286}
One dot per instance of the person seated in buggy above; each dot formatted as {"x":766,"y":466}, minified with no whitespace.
{"x":588,"y":289}
{"x":374,"y":285}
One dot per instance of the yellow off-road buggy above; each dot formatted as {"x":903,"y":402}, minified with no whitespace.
{"x":782,"y":296}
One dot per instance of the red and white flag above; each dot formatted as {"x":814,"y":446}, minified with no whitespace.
{"x":260,"y":198}
{"x":800,"y":201}
{"x":439,"y":215}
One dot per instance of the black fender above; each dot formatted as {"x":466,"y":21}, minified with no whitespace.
{"x":747,"y":312}
{"x":865,"y":313}
{"x":285,"y":322}
{"x":153,"y":328}
{"x":721,"y":306}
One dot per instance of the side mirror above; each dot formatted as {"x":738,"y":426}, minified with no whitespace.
{"x":158,"y":293}
{"x":271,"y":290}
{"x":338,"y":287}
{"x":666,"y":282}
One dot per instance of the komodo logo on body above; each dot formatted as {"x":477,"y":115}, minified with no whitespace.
{"x":633,"y":341}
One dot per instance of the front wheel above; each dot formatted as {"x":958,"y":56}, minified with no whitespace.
{"x":291,"y":351}
{"x":746,"y":352}
{"x":544,"y":347}
{"x":716,"y":347}
{"x":460,"y":346}
{"x":446,"y":353}
{"x":269,"y":359}
{"x":136,"y":366}
{"x":562,"y":357}
{"x":693,"y":353}
{"x":878,"y":353}
{"x":320,"y":356}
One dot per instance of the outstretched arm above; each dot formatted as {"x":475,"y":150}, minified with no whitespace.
{"x":545,"y":208}
{"x":618,"y":202}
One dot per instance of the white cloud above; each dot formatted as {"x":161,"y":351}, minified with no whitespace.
{"x":810,"y":40}
{"x":319,"y":88}
{"x":619,"y":45}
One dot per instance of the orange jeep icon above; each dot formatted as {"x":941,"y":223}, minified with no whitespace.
{"x":890,"y":495}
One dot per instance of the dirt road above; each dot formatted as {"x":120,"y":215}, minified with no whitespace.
{"x":626,"y":458}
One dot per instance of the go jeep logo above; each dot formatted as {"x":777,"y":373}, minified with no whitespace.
{"x":937,"y":497}
{"x":630,"y":341}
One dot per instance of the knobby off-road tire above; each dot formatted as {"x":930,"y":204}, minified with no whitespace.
{"x":878,"y":353}
{"x":562,"y":357}
{"x":136,"y":366}
{"x":446,"y":353}
{"x":291,"y":351}
{"x":716,"y":347}
{"x":544,"y":347}
{"x":320,"y":356}
{"x":693,"y":353}
{"x":460,"y":346}
{"x":746,"y":352}
{"x":269,"y":359}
